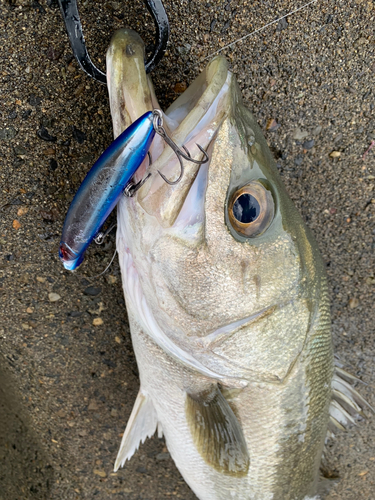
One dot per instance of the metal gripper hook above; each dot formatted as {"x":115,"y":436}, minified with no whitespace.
{"x":69,"y":11}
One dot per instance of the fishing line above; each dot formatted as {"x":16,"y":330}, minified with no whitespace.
{"x":258,"y":30}
{"x":105,"y":270}
{"x":101,"y":274}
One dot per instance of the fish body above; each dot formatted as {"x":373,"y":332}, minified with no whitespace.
{"x":226,"y":296}
{"x":101,"y":189}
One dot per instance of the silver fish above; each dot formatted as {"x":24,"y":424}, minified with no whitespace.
{"x":227,"y":299}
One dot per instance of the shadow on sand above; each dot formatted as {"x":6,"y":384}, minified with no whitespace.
{"x":24,"y":470}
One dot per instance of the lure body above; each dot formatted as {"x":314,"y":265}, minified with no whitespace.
{"x":102,"y":188}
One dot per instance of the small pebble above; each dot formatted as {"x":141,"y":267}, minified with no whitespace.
{"x":142,"y":470}
{"x":35,"y":100}
{"x":353,"y":303}
{"x":97,"y":322}
{"x":8,"y":133}
{"x":50,"y":215}
{"x":272,"y":125}
{"x":41,"y":279}
{"x":53,"y":165}
{"x":337,"y":138}
{"x":100,"y":473}
{"x":118,"y":340}
{"x":282,"y":24}
{"x":49,"y":152}
{"x":20,"y":150}
{"x":179,"y":88}
{"x":92,"y":291}
{"x":78,"y":135}
{"x":79,"y":90}
{"x":317,"y":130}
{"x":26,"y":114}
{"x":52,"y":53}
{"x":335,"y":154}
{"x":361,"y":41}
{"x":114,"y":412}
{"x":93,"y":405}
{"x":43,"y":134}
{"x":308,"y":144}
{"x":111,"y":279}
{"x":22,"y":211}
{"x":71,"y":68}
{"x":16,"y":224}
{"x":185,"y":49}
{"x":299,"y":135}
{"x":298,"y":160}
{"x":54,"y":297}
{"x":75,"y":314}
{"x":30,"y":310}
{"x":163,"y":456}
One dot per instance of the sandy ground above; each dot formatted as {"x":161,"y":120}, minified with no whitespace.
{"x":67,"y":387}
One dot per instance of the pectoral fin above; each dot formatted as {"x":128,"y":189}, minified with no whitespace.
{"x":216,"y":432}
{"x":141,"y":425}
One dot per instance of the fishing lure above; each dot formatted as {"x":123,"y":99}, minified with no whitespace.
{"x":102,"y":188}
{"x":108,"y":179}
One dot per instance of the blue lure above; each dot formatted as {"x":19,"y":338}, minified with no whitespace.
{"x":102,"y":188}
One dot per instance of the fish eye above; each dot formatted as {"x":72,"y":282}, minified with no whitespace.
{"x":251,"y":209}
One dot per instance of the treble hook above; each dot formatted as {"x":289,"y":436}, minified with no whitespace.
{"x":159,"y":129}
{"x":69,"y":11}
{"x":132,"y":188}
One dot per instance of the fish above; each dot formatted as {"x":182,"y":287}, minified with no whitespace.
{"x":101,"y":189}
{"x":227,"y":299}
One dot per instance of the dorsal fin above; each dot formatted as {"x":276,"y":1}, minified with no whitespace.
{"x":141,"y":425}
{"x":347,"y":404}
{"x":216,"y":432}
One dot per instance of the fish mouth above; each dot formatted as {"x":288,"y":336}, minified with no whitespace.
{"x":194,"y":118}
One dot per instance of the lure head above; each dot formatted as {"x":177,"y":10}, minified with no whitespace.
{"x":69,"y":259}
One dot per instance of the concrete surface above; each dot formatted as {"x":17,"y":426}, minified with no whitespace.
{"x":66,"y":386}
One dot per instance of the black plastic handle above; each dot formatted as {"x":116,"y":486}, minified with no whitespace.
{"x":69,"y":11}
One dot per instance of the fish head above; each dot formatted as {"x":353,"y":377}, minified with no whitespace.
{"x":223,"y":260}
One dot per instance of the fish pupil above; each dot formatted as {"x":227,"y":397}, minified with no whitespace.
{"x":246,"y":208}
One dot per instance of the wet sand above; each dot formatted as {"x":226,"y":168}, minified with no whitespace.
{"x":72,"y":384}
